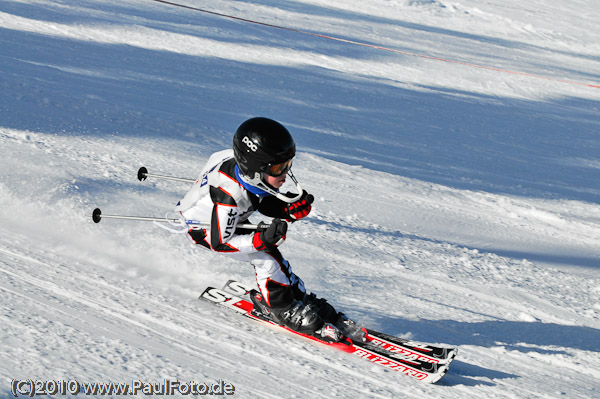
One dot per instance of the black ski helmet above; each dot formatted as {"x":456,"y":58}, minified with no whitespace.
{"x":260,"y":143}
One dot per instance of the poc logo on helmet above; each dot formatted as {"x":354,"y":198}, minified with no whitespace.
{"x":250,"y":143}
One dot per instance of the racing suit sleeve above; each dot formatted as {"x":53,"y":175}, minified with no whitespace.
{"x":276,"y":208}
{"x":273,"y":207}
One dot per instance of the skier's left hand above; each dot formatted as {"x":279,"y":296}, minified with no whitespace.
{"x":299,"y":209}
{"x":270,"y":238}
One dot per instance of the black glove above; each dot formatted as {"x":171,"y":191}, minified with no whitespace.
{"x":272,"y":237}
{"x":301,"y":208}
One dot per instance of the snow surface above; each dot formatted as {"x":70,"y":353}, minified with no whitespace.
{"x":455,"y":204}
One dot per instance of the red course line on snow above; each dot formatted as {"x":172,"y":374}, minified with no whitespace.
{"x":376,"y":46}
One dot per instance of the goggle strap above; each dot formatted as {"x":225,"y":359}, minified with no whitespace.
{"x":257,"y":182}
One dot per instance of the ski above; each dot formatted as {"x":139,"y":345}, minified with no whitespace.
{"x":417,"y":350}
{"x":398,"y":347}
{"x":409,"y":361}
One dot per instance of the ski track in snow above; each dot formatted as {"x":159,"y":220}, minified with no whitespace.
{"x":453,"y":205}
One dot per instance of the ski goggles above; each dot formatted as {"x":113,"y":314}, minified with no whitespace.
{"x":279,"y":168}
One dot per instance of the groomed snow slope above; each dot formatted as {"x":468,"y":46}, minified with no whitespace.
{"x":454,"y":204}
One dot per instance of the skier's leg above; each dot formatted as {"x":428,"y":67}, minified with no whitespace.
{"x":283,"y":275}
{"x":278,"y":282}
{"x":284,"y":294}
{"x":278,"y":285}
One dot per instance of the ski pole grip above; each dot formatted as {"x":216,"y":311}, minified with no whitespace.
{"x":260,"y":226}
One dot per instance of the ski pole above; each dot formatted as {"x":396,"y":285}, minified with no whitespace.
{"x":97,"y":216}
{"x":143,"y":175}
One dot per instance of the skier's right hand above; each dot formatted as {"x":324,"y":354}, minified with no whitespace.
{"x":271,"y":237}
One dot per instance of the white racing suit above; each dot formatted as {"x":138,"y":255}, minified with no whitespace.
{"x":219,"y":197}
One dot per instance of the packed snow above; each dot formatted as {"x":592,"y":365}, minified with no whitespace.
{"x":456,"y":181}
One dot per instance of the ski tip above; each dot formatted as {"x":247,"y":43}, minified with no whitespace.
{"x":97,"y":215}
{"x":142,"y":173}
{"x":443,"y":371}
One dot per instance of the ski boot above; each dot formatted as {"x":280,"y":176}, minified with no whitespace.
{"x":336,"y":320}
{"x":302,"y":316}
{"x":329,"y":333}
{"x":261,"y":309}
{"x":351,"y":329}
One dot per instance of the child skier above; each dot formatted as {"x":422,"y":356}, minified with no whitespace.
{"x":234,"y":184}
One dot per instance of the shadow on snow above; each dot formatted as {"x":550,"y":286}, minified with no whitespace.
{"x":545,"y":149}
